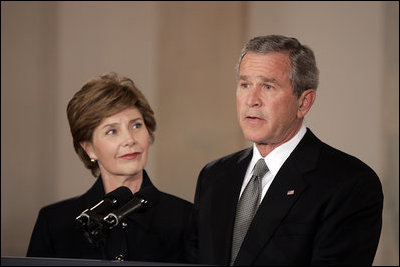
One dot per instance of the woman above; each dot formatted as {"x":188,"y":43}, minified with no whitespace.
{"x":112,"y":127}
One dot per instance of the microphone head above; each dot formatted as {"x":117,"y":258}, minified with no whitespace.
{"x":146,"y":194}
{"x":91,"y":220}
{"x":120,"y":196}
{"x":137,"y":204}
{"x":113,"y":200}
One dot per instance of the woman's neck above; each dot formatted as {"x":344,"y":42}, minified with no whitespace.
{"x":112,"y":182}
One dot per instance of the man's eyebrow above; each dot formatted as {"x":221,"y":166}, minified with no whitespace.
{"x":268,"y":80}
{"x":243,"y":77}
{"x":264,"y":79}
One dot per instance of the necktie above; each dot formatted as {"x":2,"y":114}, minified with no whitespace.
{"x":247,"y":207}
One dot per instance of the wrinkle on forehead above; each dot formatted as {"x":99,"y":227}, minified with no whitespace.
{"x":267,"y":67}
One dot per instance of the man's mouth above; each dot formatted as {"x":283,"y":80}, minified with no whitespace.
{"x":253,"y":118}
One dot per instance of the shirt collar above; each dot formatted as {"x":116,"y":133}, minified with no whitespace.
{"x":278,"y":156}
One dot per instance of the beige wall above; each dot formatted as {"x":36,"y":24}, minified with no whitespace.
{"x":182,"y":56}
{"x":196,"y":100}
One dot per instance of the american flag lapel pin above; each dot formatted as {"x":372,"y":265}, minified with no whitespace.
{"x":290,"y":192}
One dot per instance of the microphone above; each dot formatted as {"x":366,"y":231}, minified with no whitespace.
{"x":112,"y":200}
{"x":136,"y":204}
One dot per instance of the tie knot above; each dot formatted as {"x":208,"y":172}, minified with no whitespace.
{"x":260,"y":169}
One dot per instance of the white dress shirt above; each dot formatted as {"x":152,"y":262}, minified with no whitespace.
{"x":274,"y":161}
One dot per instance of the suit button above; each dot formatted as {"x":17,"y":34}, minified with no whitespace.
{"x":120,"y":257}
{"x":124,"y":224}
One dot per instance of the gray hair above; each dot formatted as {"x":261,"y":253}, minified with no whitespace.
{"x":304,"y":72}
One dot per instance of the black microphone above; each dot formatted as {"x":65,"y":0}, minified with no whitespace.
{"x":97,"y":232}
{"x":136,"y":204}
{"x":112,"y":200}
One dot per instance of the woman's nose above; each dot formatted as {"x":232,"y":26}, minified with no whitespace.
{"x":129,"y":139}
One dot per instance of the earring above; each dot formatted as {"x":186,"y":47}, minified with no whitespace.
{"x":92,"y":160}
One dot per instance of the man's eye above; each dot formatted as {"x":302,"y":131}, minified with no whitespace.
{"x":245,"y":85}
{"x":110,"y":132}
{"x":267,"y":86}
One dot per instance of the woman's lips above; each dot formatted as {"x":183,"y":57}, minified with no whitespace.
{"x":130,"y":155}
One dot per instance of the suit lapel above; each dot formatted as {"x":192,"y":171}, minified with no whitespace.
{"x":286,"y":188}
{"x":225,"y":204}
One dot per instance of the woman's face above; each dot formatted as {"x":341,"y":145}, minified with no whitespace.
{"x":120,"y":144}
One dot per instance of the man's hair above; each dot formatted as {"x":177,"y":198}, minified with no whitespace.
{"x":304,"y":72}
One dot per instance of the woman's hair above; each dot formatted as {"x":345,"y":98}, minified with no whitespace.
{"x":101,"y":97}
{"x":304,"y":72}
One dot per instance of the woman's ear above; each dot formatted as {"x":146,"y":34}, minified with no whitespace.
{"x":306,"y":100}
{"x":88,"y":147}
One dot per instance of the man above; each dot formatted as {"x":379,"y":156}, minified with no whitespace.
{"x":290,"y":199}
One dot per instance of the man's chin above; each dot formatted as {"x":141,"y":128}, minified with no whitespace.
{"x":255,"y":139}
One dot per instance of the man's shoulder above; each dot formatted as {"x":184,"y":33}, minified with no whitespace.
{"x":339,"y":160}
{"x":350,"y":163}
{"x":230,"y":159}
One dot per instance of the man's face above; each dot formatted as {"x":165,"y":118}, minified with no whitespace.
{"x":266,"y":104}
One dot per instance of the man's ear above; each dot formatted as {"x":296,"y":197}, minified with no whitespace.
{"x":88,"y":147}
{"x":306,"y":100}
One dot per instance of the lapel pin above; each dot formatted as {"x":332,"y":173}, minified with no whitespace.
{"x":290,"y":192}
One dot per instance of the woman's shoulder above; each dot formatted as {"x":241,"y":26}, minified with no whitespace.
{"x":62,"y":207}
{"x":172,"y":211}
{"x":172,"y":199}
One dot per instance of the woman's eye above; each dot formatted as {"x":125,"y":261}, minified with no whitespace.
{"x":137,"y":125}
{"x":110,"y":132}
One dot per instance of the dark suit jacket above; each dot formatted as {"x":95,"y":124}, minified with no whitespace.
{"x":334,"y":216}
{"x":156,"y":234}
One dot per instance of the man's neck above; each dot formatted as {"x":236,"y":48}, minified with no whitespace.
{"x":266,"y":148}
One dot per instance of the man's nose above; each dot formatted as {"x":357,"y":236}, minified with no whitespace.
{"x":253,"y":97}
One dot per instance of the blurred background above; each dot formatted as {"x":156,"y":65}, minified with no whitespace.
{"x":182,"y":55}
